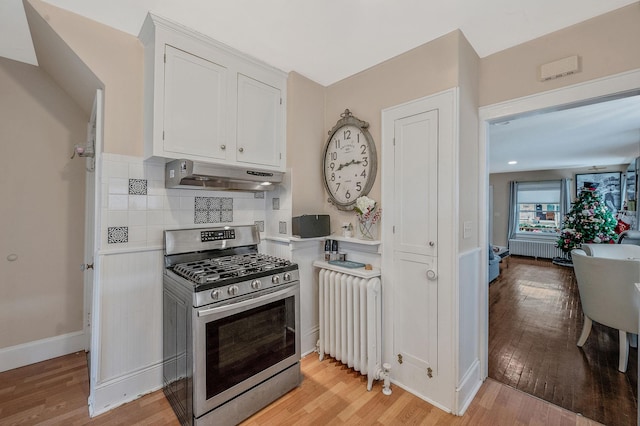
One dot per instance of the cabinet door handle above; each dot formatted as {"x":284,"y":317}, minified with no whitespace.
{"x":241,"y":149}
{"x":431,"y":275}
{"x":223,"y":147}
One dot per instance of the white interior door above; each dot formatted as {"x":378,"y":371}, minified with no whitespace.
{"x":94,"y":136}
{"x":415,"y":249}
{"x":419,"y":244}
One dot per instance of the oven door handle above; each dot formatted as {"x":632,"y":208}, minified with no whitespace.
{"x":218,"y":309}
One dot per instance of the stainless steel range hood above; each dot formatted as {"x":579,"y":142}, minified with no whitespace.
{"x":189,"y":174}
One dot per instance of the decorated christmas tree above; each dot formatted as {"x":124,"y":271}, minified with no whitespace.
{"x":588,"y":221}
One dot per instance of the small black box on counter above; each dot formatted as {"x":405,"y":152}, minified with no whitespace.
{"x":311,"y":225}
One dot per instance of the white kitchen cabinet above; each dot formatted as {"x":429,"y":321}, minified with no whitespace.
{"x":205,"y":101}
{"x":194,"y":114}
{"x":258,"y":133}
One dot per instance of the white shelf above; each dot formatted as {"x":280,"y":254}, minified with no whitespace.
{"x":340,"y":238}
{"x":358,"y":272}
{"x":354,"y":240}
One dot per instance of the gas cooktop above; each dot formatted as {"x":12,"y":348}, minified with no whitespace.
{"x":225,"y":268}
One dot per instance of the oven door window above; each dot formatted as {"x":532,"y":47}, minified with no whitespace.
{"x":244,"y":344}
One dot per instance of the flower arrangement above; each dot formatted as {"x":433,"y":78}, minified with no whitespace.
{"x":588,"y":221}
{"x":368,"y":215}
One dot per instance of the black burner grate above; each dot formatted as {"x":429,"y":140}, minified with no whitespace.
{"x":220,"y":268}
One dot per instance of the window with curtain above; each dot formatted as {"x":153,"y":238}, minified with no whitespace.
{"x":538,"y":208}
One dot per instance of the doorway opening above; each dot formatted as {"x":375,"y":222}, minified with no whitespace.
{"x":597,"y":92}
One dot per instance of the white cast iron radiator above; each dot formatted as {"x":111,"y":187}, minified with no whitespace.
{"x":542,"y":249}
{"x":351,"y":319}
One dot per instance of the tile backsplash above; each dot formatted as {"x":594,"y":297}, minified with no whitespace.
{"x":137,"y":208}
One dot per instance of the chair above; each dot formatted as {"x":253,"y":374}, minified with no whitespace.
{"x":613,"y":251}
{"x":494,"y":265}
{"x":608,"y":296}
{"x":629,"y":237}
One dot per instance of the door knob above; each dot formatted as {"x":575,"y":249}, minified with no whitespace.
{"x":431,"y":275}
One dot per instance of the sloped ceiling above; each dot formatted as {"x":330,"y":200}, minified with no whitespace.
{"x":329,"y":40}
{"x":325,"y":40}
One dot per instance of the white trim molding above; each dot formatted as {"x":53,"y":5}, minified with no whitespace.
{"x":41,"y":350}
{"x":113,"y":393}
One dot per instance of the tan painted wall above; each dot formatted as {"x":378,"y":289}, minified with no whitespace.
{"x":116,"y":58}
{"x":607,"y":45}
{"x":500,"y":183}
{"x":424,"y":70}
{"x":42,"y":208}
{"x":305,"y":140}
{"x":469,"y":70}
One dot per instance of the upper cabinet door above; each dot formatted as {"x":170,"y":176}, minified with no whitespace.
{"x":259,"y":125}
{"x":204,"y":101}
{"x":195,"y":105}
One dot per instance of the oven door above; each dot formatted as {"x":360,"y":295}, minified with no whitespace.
{"x":239,"y":345}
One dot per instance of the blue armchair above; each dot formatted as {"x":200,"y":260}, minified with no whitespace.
{"x":494,"y":265}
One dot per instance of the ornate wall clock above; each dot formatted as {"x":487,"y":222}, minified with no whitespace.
{"x":350,"y":162}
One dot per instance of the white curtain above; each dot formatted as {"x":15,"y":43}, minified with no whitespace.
{"x":512,"y":224}
{"x":565,"y":199}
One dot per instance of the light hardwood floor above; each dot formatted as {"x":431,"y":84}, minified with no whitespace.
{"x":55,"y":392}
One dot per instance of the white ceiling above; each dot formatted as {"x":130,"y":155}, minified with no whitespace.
{"x":325,"y":40}
{"x":601,"y":134}
{"x":328,"y":40}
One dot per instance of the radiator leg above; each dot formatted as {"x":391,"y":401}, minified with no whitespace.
{"x":381,"y":374}
{"x":386,"y":388}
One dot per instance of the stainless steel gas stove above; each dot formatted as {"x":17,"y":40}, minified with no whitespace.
{"x":231,"y":325}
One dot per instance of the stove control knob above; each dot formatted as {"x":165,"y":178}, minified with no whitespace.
{"x":275,"y":279}
{"x":256,"y":284}
{"x":215,"y":294}
{"x":233,"y":290}
{"x":287,"y":276}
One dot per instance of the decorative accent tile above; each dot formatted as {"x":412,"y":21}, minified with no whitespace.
{"x":117,"y":234}
{"x":201,"y":216}
{"x":260,"y":225}
{"x":227,"y":203}
{"x":214,"y":203}
{"x":137,"y":187}
{"x":226,"y":216}
{"x":282,"y":227}
{"x":213,"y":216}
{"x":258,"y":194}
{"x":275,"y":203}
{"x":213,"y":210}
{"x":201,"y":203}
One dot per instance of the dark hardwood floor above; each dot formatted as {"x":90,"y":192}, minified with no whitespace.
{"x":535,"y":320}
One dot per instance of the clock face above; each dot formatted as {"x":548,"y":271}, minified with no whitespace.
{"x":349,"y":165}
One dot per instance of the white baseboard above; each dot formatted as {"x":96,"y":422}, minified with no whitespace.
{"x":41,"y":350}
{"x":309,"y":340}
{"x":419,"y":395}
{"x":113,"y":393}
{"x":468,"y":388}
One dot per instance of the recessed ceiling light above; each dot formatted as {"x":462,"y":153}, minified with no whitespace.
{"x":513,"y":162}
